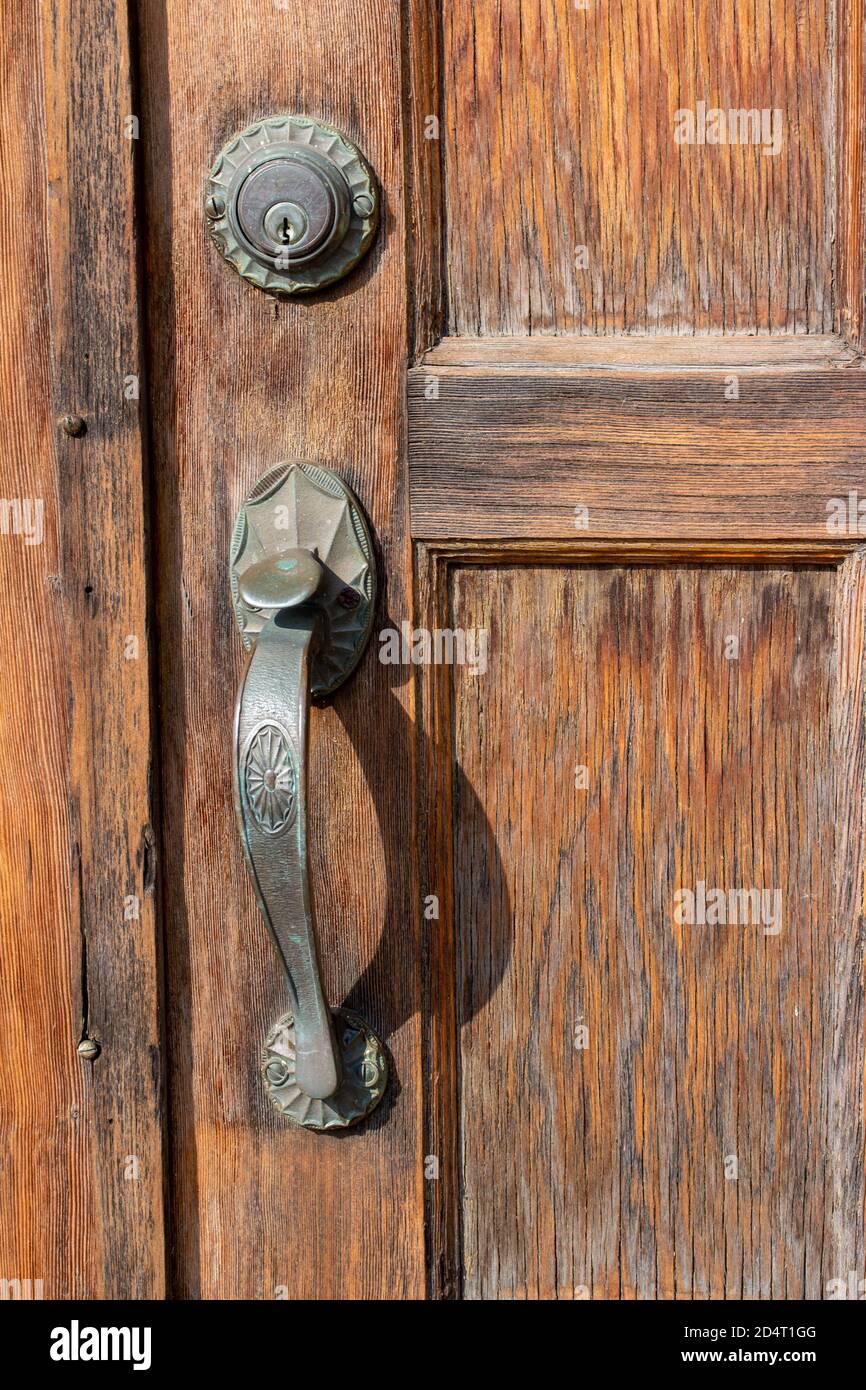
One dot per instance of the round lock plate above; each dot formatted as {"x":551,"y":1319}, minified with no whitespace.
{"x":292,"y":204}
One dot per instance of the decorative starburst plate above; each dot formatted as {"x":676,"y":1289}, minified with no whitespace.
{"x":298,"y":505}
{"x":365,"y":1074}
{"x":301,"y":159}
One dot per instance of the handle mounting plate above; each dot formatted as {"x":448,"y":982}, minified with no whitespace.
{"x":365,"y":1074}
{"x":297,"y":506}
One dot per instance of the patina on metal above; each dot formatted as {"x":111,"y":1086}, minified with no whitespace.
{"x":300,"y":551}
{"x":365,"y":1074}
{"x":292,"y":204}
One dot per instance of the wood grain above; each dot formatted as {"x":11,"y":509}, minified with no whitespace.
{"x":81,"y":1194}
{"x":441,"y":1060}
{"x":556,"y":1172}
{"x":844,"y":1085}
{"x":498,"y":452}
{"x":558,"y":128}
{"x":851,"y":174}
{"x":239,"y":383}
{"x":424,"y":193}
{"x":633,"y":352}
{"x":601,"y":1171}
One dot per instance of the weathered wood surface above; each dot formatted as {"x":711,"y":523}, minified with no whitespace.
{"x":239,"y":383}
{"x":81,"y":1197}
{"x":555,"y":133}
{"x":425,"y":233}
{"x":559,"y":135}
{"x":441,"y":1054}
{"x":850,"y":218}
{"x":636,"y":352}
{"x":508,"y":451}
{"x":600,"y":1170}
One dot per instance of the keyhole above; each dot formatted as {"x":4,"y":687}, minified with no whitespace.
{"x":287,"y":232}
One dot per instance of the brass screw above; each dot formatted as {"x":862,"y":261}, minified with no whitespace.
{"x":363,"y":205}
{"x":73,"y":425}
{"x":215,"y":206}
{"x":89,"y":1049}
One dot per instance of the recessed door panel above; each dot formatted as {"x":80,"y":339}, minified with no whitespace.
{"x":659,"y":1053}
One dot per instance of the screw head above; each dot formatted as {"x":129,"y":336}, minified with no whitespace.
{"x":73,"y":425}
{"x":89,"y":1049}
{"x":215,"y":206}
{"x":363,"y":205}
{"x":277,"y":1073}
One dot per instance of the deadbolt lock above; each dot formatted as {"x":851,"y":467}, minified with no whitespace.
{"x":292,"y":204}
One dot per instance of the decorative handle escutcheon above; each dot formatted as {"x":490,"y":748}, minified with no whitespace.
{"x":303,"y":587}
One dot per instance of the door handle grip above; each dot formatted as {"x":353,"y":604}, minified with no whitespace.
{"x":303,"y":588}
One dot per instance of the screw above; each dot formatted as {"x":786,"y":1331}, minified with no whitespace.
{"x":348,"y":598}
{"x":277,"y":1073}
{"x":89,"y":1049}
{"x":73,"y":425}
{"x":215,"y":206}
{"x":363,"y":205}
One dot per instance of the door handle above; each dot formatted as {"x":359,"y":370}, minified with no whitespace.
{"x":303,"y":586}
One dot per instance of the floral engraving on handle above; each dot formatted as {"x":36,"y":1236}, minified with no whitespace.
{"x":270,"y":779}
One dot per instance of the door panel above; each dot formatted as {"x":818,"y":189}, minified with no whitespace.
{"x":645,"y":1103}
{"x":624,"y":452}
{"x":558,"y":139}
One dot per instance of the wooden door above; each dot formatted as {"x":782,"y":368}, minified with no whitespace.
{"x":590,"y":855}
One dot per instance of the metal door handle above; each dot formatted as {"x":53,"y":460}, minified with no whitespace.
{"x":303,"y":588}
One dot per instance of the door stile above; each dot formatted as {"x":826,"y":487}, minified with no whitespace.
{"x":82,"y":1208}
{"x":240,"y":383}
